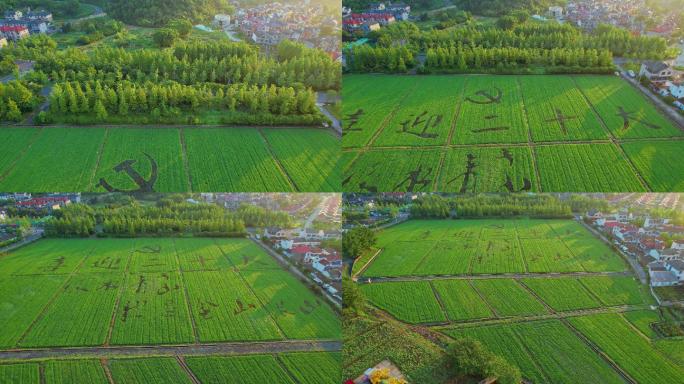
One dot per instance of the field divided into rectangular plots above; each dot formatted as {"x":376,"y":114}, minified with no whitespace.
{"x":552,"y":133}
{"x":291,"y":367}
{"x":154,"y":291}
{"x":169,"y":159}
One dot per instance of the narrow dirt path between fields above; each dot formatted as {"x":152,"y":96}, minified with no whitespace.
{"x":278,"y":163}
{"x":533,"y":275}
{"x":177,"y":350}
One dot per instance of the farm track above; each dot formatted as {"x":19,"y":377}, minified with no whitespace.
{"x":170,"y":126}
{"x":186,"y":294}
{"x":530,"y":141}
{"x":187,"y":370}
{"x":226,"y":348}
{"x":184,"y":153}
{"x":100,"y":151}
{"x":122,"y":292}
{"x":21,"y":154}
{"x":107,"y":370}
{"x":547,"y":316}
{"x":533,"y":275}
{"x":512,"y":145}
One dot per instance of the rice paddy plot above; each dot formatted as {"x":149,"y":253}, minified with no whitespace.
{"x":298,"y":312}
{"x":549,"y":255}
{"x":492,"y":112}
{"x":200,"y":254}
{"x":460,"y":300}
{"x":152,"y":310}
{"x":365,"y":109}
{"x":497,"y":256}
{"x":426,"y":115}
{"x":12,"y":142}
{"x":508,"y":298}
{"x":557,"y":110}
{"x":393,"y":170}
{"x":632,"y":352}
{"x":309,"y":156}
{"x":256,"y":369}
{"x":161,"y":370}
{"x":245,"y":255}
{"x":613,"y":291}
{"x":107,"y":256}
{"x":86,"y":300}
{"x":563,"y":294}
{"x":153,"y":255}
{"x":585,"y":168}
{"x":22,"y":300}
{"x":224,"y":308}
{"x":626,"y":112}
{"x":313,"y":367}
{"x":47,"y":257}
{"x":77,"y":371}
{"x":659,"y":163}
{"x":19,"y":373}
{"x":60,"y":159}
{"x":399,"y":259}
{"x":488,"y":169}
{"x":412,"y":301}
{"x":643,"y":320}
{"x":235,"y":160}
{"x":156,"y":155}
{"x":452,"y":257}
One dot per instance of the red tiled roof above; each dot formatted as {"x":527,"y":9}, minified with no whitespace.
{"x":11,"y":28}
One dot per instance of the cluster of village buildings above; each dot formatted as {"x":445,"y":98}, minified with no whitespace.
{"x":664,"y":260}
{"x":306,"y":246}
{"x":375,"y":17}
{"x":17,"y":25}
{"x":665,"y":80}
{"x":270,"y":23}
{"x":25,"y":201}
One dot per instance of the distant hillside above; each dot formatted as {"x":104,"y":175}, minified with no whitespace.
{"x":152,"y":13}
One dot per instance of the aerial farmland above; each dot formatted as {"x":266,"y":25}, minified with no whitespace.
{"x":547,"y":295}
{"x":506,"y":133}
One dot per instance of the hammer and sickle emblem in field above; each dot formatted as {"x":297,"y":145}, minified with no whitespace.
{"x":626,"y":116}
{"x":488,"y":97}
{"x":149,"y":249}
{"x":127,"y":166}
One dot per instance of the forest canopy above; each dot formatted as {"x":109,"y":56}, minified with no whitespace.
{"x":155,"y":13}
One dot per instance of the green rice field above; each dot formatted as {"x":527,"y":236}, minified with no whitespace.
{"x":493,"y":133}
{"x":169,"y":159}
{"x":119,"y":291}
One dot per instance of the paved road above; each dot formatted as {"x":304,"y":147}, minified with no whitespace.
{"x":670,"y":111}
{"x":636,"y":267}
{"x":370,"y":280}
{"x":321,"y":100}
{"x":36,"y":235}
{"x":299,"y":274}
{"x":175,"y":350}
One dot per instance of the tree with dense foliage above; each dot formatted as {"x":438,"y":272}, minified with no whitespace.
{"x":469,"y":358}
{"x":155,"y":13}
{"x":165,"y":37}
{"x":357,"y":240}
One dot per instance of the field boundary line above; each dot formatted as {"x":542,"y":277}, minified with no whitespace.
{"x":186,"y":294}
{"x":21,"y":154}
{"x":497,"y":276}
{"x":422,"y":259}
{"x":454,"y":123}
{"x":57,"y":293}
{"x":536,"y":296}
{"x":108,"y":372}
{"x":625,"y":376}
{"x":489,"y":305}
{"x":634,"y":328}
{"x":390,"y":116}
{"x":282,"y":365}
{"x":530,"y":138}
{"x":520,"y":340}
{"x":172,"y":350}
{"x":276,"y":160}
{"x":236,"y":270}
{"x":180,"y":360}
{"x":522,"y":253}
{"x":186,"y":164}
{"x":367,"y":265}
{"x":567,"y":247}
{"x":615,"y":141}
{"x":100,"y":153}
{"x":119,"y":297}
{"x":592,"y":294}
{"x":439,"y":301}
{"x":41,"y":373}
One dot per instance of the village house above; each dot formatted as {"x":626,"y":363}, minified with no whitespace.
{"x":656,"y":71}
{"x":14,"y":33}
{"x":676,"y":90}
{"x":34,"y":21}
{"x":660,"y":276}
{"x":51,"y":202}
{"x":556,"y":12}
